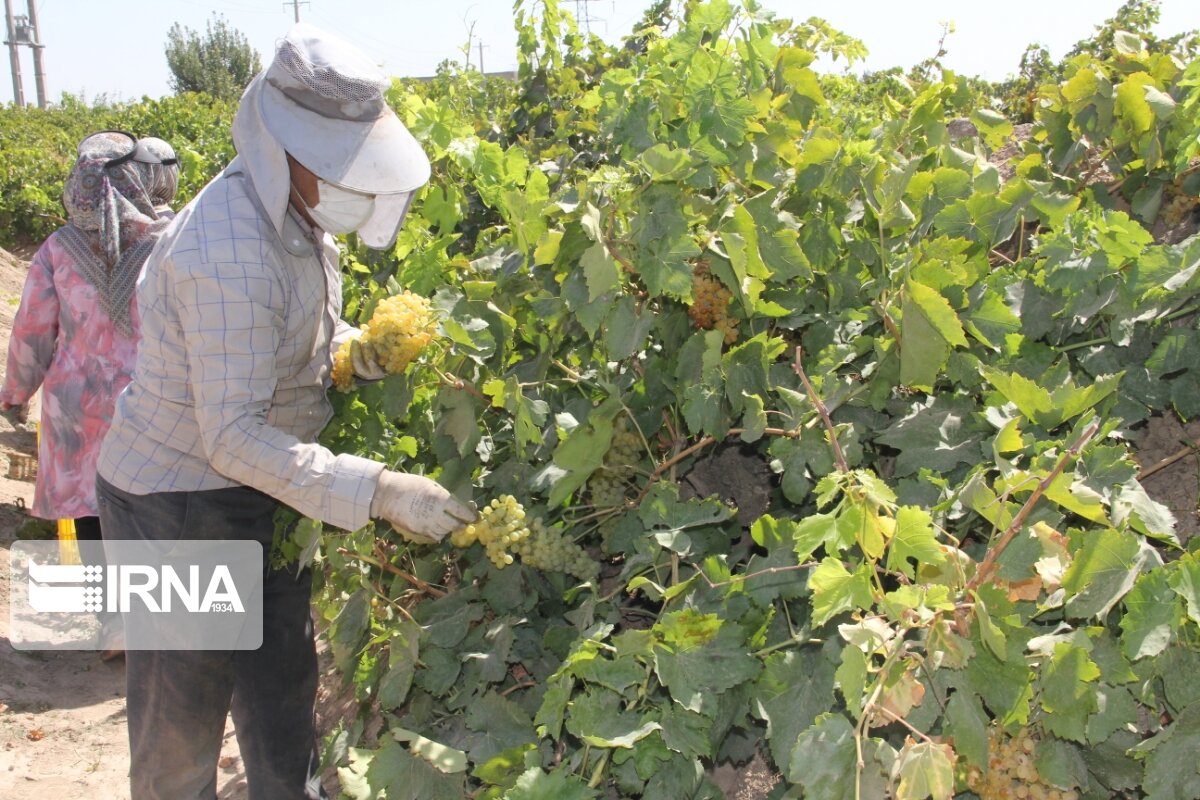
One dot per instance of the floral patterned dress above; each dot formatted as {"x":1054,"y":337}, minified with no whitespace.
{"x":65,"y":342}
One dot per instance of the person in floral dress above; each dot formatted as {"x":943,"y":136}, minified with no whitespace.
{"x":74,"y":333}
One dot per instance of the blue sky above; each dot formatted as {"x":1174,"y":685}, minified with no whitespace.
{"x":115,"y":47}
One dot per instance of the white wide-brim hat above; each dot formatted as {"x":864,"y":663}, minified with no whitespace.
{"x":323,"y":100}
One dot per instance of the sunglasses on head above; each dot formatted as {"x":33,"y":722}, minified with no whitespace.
{"x":138,"y":150}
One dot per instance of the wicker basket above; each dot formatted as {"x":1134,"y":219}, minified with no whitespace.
{"x":22,"y":467}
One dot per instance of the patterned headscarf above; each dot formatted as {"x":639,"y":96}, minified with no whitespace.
{"x":112,"y":225}
{"x":159,"y":167}
{"x":106,"y":198}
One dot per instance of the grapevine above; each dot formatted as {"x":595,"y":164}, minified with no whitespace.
{"x":401,"y":326}
{"x":1179,"y":204}
{"x":1011,"y":773}
{"x":550,"y":550}
{"x":500,"y":528}
{"x":710,"y":304}
{"x":504,"y":529}
{"x":608,"y":483}
{"x":933,"y":350}
{"x":343,"y":370}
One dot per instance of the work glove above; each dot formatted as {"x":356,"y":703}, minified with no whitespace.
{"x":418,"y":507}
{"x":16,"y":412}
{"x":365,"y":363}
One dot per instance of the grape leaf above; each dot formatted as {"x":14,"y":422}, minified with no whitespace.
{"x":1147,"y":627}
{"x":914,"y":539}
{"x":692,"y":673}
{"x":835,"y":589}
{"x":392,"y":769}
{"x":534,"y":784}
{"x":1068,"y":692}
{"x":1102,"y":571}
{"x":926,"y":769}
{"x":794,"y":688}
{"x":967,"y":722}
{"x":1172,"y":772}
{"x":597,"y":718}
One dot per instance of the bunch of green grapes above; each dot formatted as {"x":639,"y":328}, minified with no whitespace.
{"x":710,"y":304}
{"x":343,"y":370}
{"x":607,"y":484}
{"x":504,"y":530}
{"x":501,"y":527}
{"x":1011,"y":774}
{"x":1179,"y":204}
{"x":549,"y":550}
{"x":400,"y":328}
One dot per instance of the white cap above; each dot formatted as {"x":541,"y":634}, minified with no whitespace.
{"x":322,"y":101}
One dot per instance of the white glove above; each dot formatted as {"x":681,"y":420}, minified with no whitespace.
{"x":366,"y":365}
{"x":418,"y":507}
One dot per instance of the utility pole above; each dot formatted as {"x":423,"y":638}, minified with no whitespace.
{"x":14,"y":59}
{"x":481,"y":71}
{"x":583,"y":16}
{"x":295,"y":4}
{"x":39,"y":74}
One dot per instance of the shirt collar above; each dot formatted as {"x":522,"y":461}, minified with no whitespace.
{"x":298,"y":236}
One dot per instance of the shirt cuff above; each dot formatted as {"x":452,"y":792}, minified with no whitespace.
{"x":353,"y":486}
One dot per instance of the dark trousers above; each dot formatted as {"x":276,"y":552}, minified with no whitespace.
{"x":177,"y":701}
{"x":87,"y":529}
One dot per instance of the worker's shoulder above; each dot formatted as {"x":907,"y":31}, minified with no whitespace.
{"x":224,"y":224}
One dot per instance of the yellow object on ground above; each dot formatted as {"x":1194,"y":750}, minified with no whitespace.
{"x":68,"y":545}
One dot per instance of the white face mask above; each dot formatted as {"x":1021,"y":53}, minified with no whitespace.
{"x":340,"y":210}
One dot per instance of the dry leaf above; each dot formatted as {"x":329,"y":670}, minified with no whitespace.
{"x":1028,"y":589}
{"x":227,"y":762}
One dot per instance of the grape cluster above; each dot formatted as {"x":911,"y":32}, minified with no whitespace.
{"x":501,"y":526}
{"x":607,"y":484}
{"x":710,"y":304}
{"x":504,"y":530}
{"x":400,"y":327}
{"x":1011,"y":774}
{"x":549,"y":550}
{"x":1179,"y":205}
{"x":343,"y":370}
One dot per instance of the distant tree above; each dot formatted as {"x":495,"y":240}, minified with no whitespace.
{"x":220,"y":63}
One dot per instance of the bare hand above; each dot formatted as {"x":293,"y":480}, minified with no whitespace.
{"x":16,"y":412}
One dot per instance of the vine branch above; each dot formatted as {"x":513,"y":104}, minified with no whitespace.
{"x":897,"y":718}
{"x":458,"y":383}
{"x":889,"y":324}
{"x":838,"y":455}
{"x":1191,"y":448}
{"x":429,"y":589}
{"x":759,"y":574}
{"x":989,"y":562}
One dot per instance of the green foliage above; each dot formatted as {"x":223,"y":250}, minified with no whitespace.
{"x":219,"y":62}
{"x":975,"y":554}
{"x":922,"y":420}
{"x":37,"y":149}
